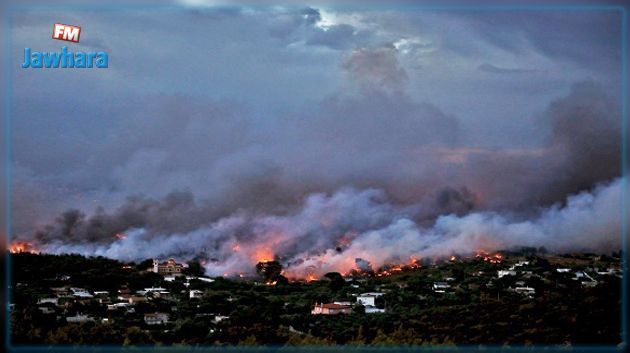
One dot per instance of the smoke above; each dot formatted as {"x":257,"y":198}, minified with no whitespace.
{"x":376,"y":69}
{"x":353,"y":229}
{"x":358,"y":179}
{"x":362,"y":181}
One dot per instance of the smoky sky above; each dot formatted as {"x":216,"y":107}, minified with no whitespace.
{"x":210,"y":113}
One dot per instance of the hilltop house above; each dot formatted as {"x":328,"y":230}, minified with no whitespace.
{"x":169,"y":267}
{"x":330,"y":309}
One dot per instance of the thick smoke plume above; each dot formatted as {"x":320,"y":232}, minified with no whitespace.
{"x":359,"y":229}
{"x":357,"y":180}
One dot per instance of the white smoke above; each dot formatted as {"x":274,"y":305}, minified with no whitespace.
{"x":329,"y":233}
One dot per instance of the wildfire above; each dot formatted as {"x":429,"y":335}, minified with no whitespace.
{"x":453,"y":258}
{"x":263,"y":255}
{"x":22,"y":247}
{"x":120,"y":236}
{"x":495,"y":258}
{"x":311,"y":277}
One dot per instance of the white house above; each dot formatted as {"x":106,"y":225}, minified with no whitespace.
{"x":368,"y":299}
{"x":219,"y":318}
{"x":156,"y":318}
{"x":502,"y":273}
{"x":81,"y":293}
{"x":441,"y":287}
{"x":527,"y":291}
{"x":48,"y":300}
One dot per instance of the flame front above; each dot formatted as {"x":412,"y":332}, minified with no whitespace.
{"x":22,"y":247}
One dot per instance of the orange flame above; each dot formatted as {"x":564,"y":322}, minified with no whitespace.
{"x":22,"y":247}
{"x":120,"y":236}
{"x":263,"y":255}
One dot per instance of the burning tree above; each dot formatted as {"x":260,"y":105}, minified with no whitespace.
{"x":269,"y":270}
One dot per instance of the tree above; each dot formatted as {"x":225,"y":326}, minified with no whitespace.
{"x":336,"y":281}
{"x":268,"y":270}
{"x":144,"y":265}
{"x":194,"y":269}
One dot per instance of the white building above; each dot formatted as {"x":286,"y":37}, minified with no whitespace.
{"x":156,"y":318}
{"x":441,"y":287}
{"x":79,"y":318}
{"x":502,"y":273}
{"x":154,"y":289}
{"x":81,"y":293}
{"x":48,"y":300}
{"x":368,"y":299}
{"x":195,"y":293}
{"x":527,"y":291}
{"x":219,"y":318}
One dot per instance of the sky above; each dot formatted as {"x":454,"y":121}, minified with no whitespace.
{"x":205,"y":112}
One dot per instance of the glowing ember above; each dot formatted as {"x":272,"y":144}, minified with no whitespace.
{"x":453,"y":258}
{"x":495,"y":258}
{"x":22,"y":247}
{"x":120,"y":236}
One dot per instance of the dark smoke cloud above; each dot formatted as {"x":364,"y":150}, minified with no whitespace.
{"x":372,"y":140}
{"x":363,"y":230}
{"x":376,"y":69}
{"x":371,"y":168}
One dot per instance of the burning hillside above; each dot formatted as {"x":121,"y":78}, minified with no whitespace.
{"x":22,"y":247}
{"x":359,"y":232}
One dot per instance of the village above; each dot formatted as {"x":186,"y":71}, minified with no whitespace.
{"x":163,"y":301}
